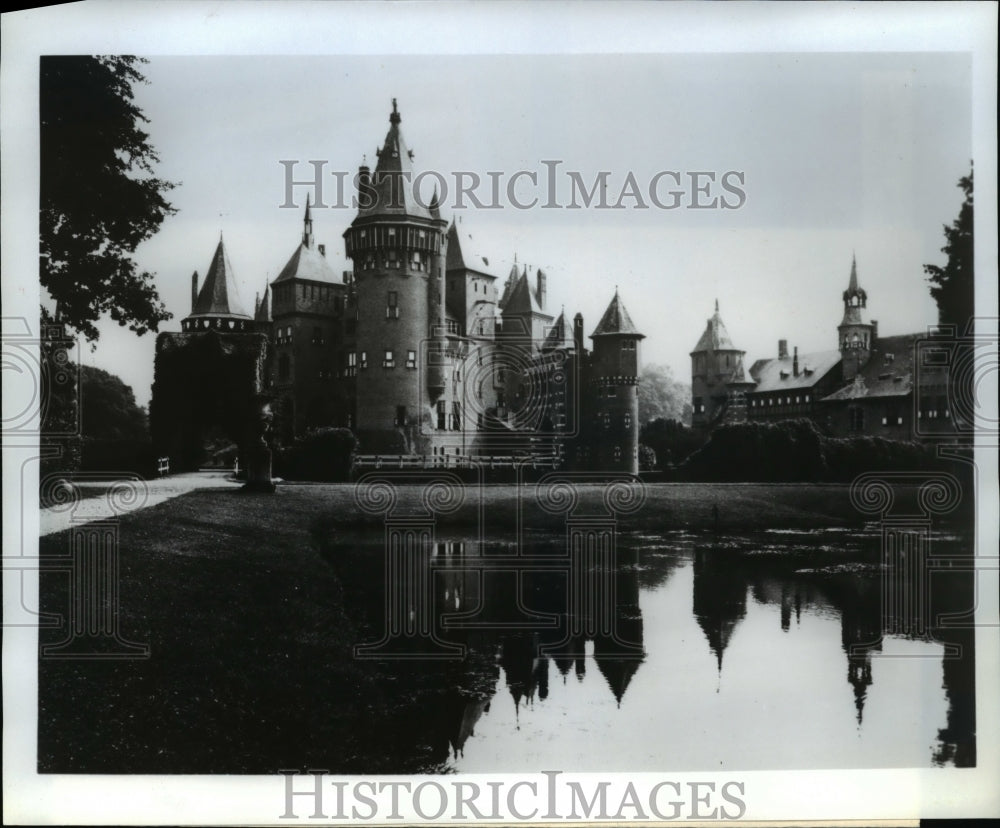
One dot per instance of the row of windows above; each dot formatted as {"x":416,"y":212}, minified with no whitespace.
{"x":605,"y":419}
{"x":324,"y":293}
{"x":393,"y":260}
{"x":799,"y":398}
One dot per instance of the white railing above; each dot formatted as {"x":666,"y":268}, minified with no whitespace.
{"x":451,"y":461}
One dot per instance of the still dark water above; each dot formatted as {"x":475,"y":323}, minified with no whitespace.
{"x":681,"y":651}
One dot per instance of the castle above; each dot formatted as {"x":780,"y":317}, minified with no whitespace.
{"x":890,"y":387}
{"x":416,"y":349}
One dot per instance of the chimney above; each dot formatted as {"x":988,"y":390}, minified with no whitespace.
{"x":782,"y":348}
{"x":874,"y":332}
{"x":364,"y":184}
{"x":322,"y":249}
{"x":578,"y":333}
{"x":540,"y":281}
{"x":194,"y":290}
{"x":795,"y":362}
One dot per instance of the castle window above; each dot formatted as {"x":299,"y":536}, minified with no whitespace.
{"x":317,"y":337}
{"x":441,"y":412}
{"x":392,"y":305}
{"x":628,"y":419}
{"x":369,"y":263}
{"x":607,"y":420}
{"x":392,"y":232}
{"x":618,"y":453}
{"x":352,"y":364}
{"x":364,"y":360}
{"x":389,"y":360}
{"x":411,"y":359}
{"x":400,"y":416}
{"x":856,"y":419}
{"x":807,"y":398}
{"x":392,"y":259}
{"x":628,"y":345}
{"x":797,"y":399}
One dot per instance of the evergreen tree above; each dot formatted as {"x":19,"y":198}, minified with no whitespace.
{"x":953,"y":286}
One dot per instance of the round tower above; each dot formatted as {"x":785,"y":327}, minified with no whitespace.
{"x":855,"y":333}
{"x":397,"y":246}
{"x":715,"y":364}
{"x":614,"y":389}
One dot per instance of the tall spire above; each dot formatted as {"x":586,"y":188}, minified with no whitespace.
{"x":307,"y":226}
{"x":394,"y":117}
{"x":716,"y":305}
{"x":853,"y":285}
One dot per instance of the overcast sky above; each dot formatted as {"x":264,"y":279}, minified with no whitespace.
{"x":841,"y":154}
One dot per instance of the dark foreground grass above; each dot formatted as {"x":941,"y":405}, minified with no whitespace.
{"x":251,"y":630}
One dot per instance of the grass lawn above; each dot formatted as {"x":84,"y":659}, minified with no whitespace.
{"x":251,"y":667}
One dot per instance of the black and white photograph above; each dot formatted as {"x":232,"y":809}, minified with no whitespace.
{"x":455,"y":412}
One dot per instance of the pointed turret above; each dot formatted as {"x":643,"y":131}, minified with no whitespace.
{"x":218,"y":295}
{"x":263,"y":313}
{"x":616,"y":321}
{"x":307,"y":227}
{"x":715,"y":337}
{"x":614,"y":370}
{"x":392,"y":184}
{"x":856,"y":331}
{"x":718,"y":379}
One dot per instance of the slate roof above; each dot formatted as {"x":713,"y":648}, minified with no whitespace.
{"x":463,"y":255}
{"x":392,"y":180}
{"x":560,"y":335}
{"x":307,"y":263}
{"x":218,"y":295}
{"x":889,"y":372}
{"x":263,"y":312}
{"x":616,"y":321}
{"x":715,"y":337}
{"x":777,"y":375}
{"x":522,"y":298}
{"x":508,"y":286}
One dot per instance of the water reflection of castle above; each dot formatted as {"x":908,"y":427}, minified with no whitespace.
{"x":723,"y":577}
{"x":523,"y":629}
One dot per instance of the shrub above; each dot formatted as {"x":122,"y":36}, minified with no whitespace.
{"x":322,"y":454}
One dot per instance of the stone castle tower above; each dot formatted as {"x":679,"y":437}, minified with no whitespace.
{"x":614,"y":386}
{"x":856,"y":333}
{"x":399,"y":250}
{"x":716,"y":371}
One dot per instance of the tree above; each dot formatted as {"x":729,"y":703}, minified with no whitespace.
{"x":953,"y":286}
{"x":662,"y":396}
{"x":108,"y":406}
{"x":99,"y":196}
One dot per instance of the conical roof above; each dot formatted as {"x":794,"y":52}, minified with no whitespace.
{"x":218,"y":295}
{"x":715,"y":337}
{"x":522,"y":299}
{"x":616,"y":321}
{"x":392,"y":181}
{"x":263,"y":313}
{"x":560,"y":335}
{"x":508,"y":286}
